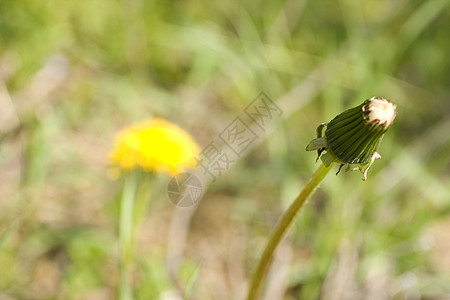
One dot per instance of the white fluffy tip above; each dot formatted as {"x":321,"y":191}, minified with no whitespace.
{"x":380,"y":111}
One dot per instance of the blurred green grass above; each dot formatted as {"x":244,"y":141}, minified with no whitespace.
{"x":75,"y":72}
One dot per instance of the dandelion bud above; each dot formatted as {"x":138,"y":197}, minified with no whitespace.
{"x":353,"y":136}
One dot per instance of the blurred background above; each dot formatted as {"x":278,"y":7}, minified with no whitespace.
{"x":72,"y":73}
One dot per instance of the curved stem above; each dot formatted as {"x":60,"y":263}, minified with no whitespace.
{"x":280,"y":229}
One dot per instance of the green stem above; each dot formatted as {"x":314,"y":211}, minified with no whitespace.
{"x":280,"y":229}
{"x":126,"y":236}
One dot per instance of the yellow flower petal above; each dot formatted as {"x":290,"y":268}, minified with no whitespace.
{"x":154,"y":145}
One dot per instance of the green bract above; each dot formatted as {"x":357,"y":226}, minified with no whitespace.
{"x":353,"y":136}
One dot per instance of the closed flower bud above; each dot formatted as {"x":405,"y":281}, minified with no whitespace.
{"x":352,"y":137}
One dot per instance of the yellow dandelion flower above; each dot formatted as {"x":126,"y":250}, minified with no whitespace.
{"x":154,"y":145}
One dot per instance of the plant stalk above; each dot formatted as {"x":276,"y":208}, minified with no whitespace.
{"x":126,"y":236}
{"x":280,"y":229}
